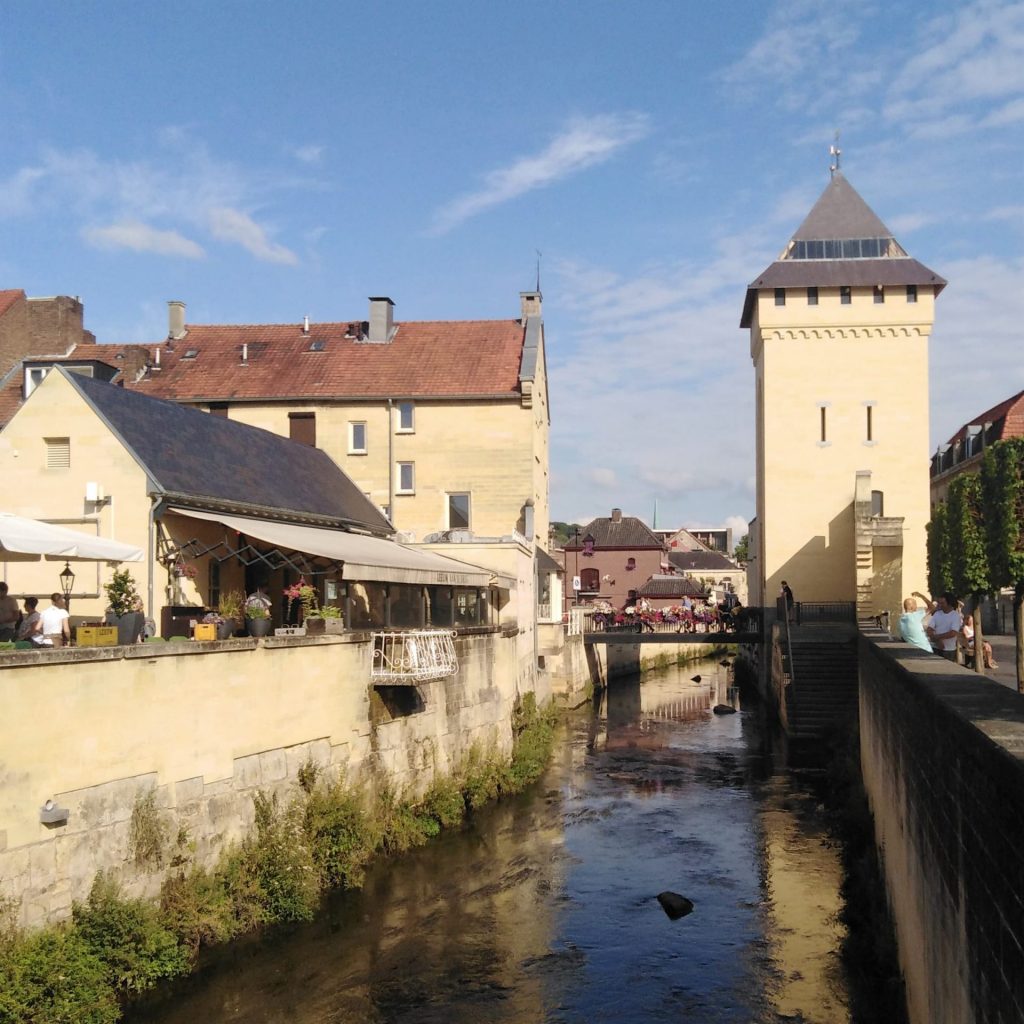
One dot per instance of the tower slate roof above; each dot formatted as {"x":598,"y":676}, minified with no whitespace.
{"x":840,"y":215}
{"x":194,"y":458}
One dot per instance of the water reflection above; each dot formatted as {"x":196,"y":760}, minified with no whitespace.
{"x":544,"y":908}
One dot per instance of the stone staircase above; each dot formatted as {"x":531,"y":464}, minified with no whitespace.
{"x":822,"y":692}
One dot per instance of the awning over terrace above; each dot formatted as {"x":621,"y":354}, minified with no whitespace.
{"x":29,"y":540}
{"x":363,"y":557}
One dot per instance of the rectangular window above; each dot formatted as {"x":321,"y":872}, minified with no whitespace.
{"x":812,"y":296}
{"x":458,"y":511}
{"x":58,"y":452}
{"x":219,"y":409}
{"x":877,"y":503}
{"x":869,"y":426}
{"x":406,"y":478}
{"x":302,"y":427}
{"x":406,"y":418}
{"x":911,"y":293}
{"x":357,"y":437}
{"x":780,"y":296}
{"x":844,"y":295}
{"x":213,"y":583}
{"x":824,"y":432}
{"x":879,"y":294}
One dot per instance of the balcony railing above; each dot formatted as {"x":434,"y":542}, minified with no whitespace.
{"x":414,"y":656}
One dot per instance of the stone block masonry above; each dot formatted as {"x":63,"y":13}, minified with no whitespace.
{"x":190,"y":733}
{"x":942,"y":753}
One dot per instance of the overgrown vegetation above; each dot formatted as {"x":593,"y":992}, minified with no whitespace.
{"x":82,"y":972}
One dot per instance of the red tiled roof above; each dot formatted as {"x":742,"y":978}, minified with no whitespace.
{"x":423,"y":359}
{"x":8,"y":298}
{"x":1008,"y":415}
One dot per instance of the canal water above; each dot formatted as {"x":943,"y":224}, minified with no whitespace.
{"x":544,"y":909}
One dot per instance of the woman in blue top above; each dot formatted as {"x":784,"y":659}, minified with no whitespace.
{"x":912,"y":625}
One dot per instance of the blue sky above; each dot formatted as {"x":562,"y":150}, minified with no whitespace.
{"x":266,"y":161}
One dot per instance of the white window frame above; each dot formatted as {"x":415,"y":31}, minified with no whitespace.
{"x":411,"y":428}
{"x":353,"y":449}
{"x":468,"y":495}
{"x":399,"y":489}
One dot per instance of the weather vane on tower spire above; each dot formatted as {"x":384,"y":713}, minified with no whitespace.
{"x":835,"y":153}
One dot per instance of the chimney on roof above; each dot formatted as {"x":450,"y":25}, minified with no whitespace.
{"x":616,"y":515}
{"x":305,"y":325}
{"x":176,"y":320}
{"x":245,"y":354}
{"x":156,"y":358}
{"x":530,"y":304}
{"x":382,"y":320}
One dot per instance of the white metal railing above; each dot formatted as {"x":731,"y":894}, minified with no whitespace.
{"x":414,"y":656}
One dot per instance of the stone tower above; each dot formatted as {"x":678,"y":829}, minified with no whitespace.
{"x":839,"y":327}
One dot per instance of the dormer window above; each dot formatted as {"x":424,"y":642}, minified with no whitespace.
{"x":316,"y":346}
{"x":34,"y":376}
{"x":588,"y":545}
{"x":190,"y":353}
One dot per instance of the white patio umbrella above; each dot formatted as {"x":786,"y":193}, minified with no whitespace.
{"x":28,"y":540}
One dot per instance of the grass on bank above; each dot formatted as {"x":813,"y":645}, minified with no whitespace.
{"x":84,"y":970}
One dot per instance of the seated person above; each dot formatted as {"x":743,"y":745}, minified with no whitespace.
{"x":32,"y":624}
{"x":56,"y":626}
{"x":967,"y":643}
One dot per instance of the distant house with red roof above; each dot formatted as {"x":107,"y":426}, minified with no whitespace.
{"x":963,"y":452}
{"x":442,"y":424}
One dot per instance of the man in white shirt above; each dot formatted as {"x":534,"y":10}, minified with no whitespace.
{"x":945,"y":626}
{"x":56,"y":626}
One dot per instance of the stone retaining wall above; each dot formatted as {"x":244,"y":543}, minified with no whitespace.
{"x":202,"y":727}
{"x":942,"y":752}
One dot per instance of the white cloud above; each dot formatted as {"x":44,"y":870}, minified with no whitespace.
{"x":234,"y":226}
{"x":141,"y":237}
{"x":309,"y":154}
{"x":602,"y":475}
{"x":585,"y":143}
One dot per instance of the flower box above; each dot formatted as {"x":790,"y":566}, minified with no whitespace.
{"x":96,"y":636}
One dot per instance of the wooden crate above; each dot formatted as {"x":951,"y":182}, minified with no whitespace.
{"x":204,"y":631}
{"x":96,"y":636}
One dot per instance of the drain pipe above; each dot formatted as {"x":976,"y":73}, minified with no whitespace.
{"x":150,"y":554}
{"x":391,"y":463}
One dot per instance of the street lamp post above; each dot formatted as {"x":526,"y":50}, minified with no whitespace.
{"x":576,"y":573}
{"x":67,"y":584}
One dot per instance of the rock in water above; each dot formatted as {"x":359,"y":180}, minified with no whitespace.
{"x":674,"y":905}
{"x":723,"y":709}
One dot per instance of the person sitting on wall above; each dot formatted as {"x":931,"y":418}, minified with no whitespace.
{"x":912,"y":627}
{"x":32,"y":624}
{"x":56,"y":623}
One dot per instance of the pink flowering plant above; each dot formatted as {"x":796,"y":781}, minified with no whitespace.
{"x":306,"y":594}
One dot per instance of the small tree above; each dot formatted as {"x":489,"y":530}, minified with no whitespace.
{"x":940,"y":577}
{"x":968,"y":556}
{"x":1002,"y":481}
{"x":742,"y":550}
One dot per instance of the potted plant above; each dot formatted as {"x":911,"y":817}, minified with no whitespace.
{"x":334,"y":621}
{"x":231,"y":607}
{"x":306,"y":594}
{"x":125,"y":607}
{"x":257,"y":614}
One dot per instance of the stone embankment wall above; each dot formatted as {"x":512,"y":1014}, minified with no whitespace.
{"x":197,"y":729}
{"x":574,"y":668}
{"x":942,"y":752}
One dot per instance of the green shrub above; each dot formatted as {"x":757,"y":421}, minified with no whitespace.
{"x":147,"y":833}
{"x":400,"y":825}
{"x":483,"y":777}
{"x":340,"y":834}
{"x":54,"y":977}
{"x":444,"y":802}
{"x":128,"y":937}
{"x":534,"y":738}
{"x":281,"y":862}
{"x":197,"y":906}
